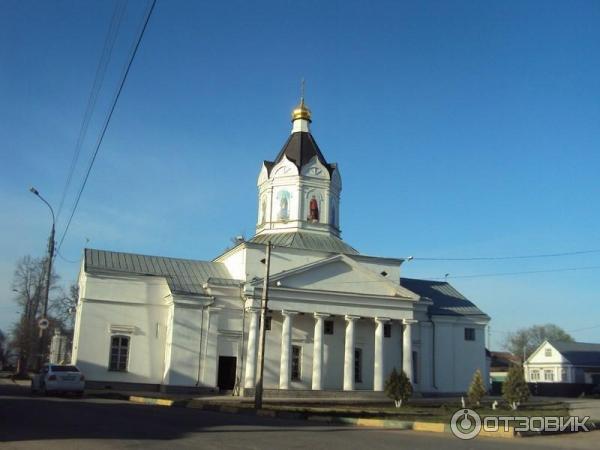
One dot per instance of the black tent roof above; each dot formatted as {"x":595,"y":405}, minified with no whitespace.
{"x":300,"y":148}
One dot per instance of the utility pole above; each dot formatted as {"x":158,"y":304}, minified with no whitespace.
{"x":258,"y":390}
{"x":43,"y":329}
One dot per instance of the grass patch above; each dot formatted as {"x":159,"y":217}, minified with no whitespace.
{"x":427,"y":413}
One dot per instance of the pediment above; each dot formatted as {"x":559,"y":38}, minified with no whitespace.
{"x":340,"y":274}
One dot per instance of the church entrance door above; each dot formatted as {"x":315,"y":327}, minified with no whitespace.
{"x":226,"y":379}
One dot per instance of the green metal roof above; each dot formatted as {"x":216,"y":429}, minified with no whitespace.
{"x":579,"y":353}
{"x":184,"y":276}
{"x":306,"y":241}
{"x":447,"y":301}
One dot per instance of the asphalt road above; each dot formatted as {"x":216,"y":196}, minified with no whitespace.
{"x":28,"y":422}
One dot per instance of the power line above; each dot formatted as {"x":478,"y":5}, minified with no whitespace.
{"x":106,"y":123}
{"x":65,"y":259}
{"x":109,"y":44}
{"x":500,"y":258}
{"x":524,"y":272}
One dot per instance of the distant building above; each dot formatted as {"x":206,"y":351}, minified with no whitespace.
{"x":500,"y":363}
{"x":338,"y":319}
{"x":564,"y":362}
{"x":59,"y":348}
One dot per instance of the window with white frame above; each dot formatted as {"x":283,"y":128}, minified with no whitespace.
{"x":548,"y":375}
{"x":534,"y":375}
{"x":119,"y":353}
{"x":548,"y":352}
{"x":469,"y":334}
{"x":563,"y":375}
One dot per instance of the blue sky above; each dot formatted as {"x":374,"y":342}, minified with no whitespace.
{"x":461,"y":129}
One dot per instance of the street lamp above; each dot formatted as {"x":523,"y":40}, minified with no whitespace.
{"x":48,"y":277}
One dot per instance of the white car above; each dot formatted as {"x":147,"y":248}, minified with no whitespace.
{"x":57,"y":378}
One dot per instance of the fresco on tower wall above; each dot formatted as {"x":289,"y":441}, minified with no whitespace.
{"x":284,"y":198}
{"x":313,"y":209}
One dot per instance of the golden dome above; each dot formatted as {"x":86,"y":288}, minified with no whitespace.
{"x":301,"y":111}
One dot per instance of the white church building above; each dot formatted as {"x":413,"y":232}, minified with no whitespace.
{"x":337,"y":319}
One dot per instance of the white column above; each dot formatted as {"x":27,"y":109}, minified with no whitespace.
{"x":378,"y":374}
{"x":250,"y":375}
{"x":317,"y":372}
{"x":349,"y":354}
{"x":286,"y":345}
{"x":407,"y":349}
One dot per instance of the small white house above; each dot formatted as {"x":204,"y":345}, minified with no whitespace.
{"x":564,"y":362}
{"x":338,"y":319}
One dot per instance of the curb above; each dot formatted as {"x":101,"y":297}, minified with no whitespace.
{"x":431,"y":427}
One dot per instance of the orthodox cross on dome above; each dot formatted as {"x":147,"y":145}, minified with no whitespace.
{"x":301,"y":112}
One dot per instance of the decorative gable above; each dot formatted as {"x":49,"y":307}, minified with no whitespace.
{"x":285,"y":168}
{"x":315,"y":169}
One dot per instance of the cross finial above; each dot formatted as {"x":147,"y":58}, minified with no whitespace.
{"x":302,"y":83}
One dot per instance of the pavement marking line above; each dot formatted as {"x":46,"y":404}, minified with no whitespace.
{"x":151,"y":401}
{"x":429,"y":426}
{"x":370,"y":422}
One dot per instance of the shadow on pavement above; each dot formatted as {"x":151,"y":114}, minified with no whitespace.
{"x":26,"y":417}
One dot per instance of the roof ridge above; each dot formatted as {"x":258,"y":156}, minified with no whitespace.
{"x":151,"y":256}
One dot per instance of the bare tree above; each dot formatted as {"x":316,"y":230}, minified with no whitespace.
{"x":4,"y":351}
{"x":63,"y":308}
{"x":29,"y":283}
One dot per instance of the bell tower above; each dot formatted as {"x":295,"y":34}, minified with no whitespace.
{"x":299,"y":189}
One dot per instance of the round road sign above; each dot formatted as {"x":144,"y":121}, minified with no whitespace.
{"x":43,"y":323}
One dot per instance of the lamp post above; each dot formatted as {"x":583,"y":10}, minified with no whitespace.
{"x":48,"y":277}
{"x":258,"y":391}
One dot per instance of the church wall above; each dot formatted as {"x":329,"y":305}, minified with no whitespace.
{"x":425,"y":369}
{"x":456,"y":358}
{"x":145,"y":325}
{"x":131,"y":289}
{"x":444,"y":357}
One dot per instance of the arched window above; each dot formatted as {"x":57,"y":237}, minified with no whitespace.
{"x":119,"y":353}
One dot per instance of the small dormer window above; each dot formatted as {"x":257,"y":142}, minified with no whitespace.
{"x":548,"y":352}
{"x":384,"y":273}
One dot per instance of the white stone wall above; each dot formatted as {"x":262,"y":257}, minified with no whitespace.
{"x":456,"y":359}
{"x":135,"y":303}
